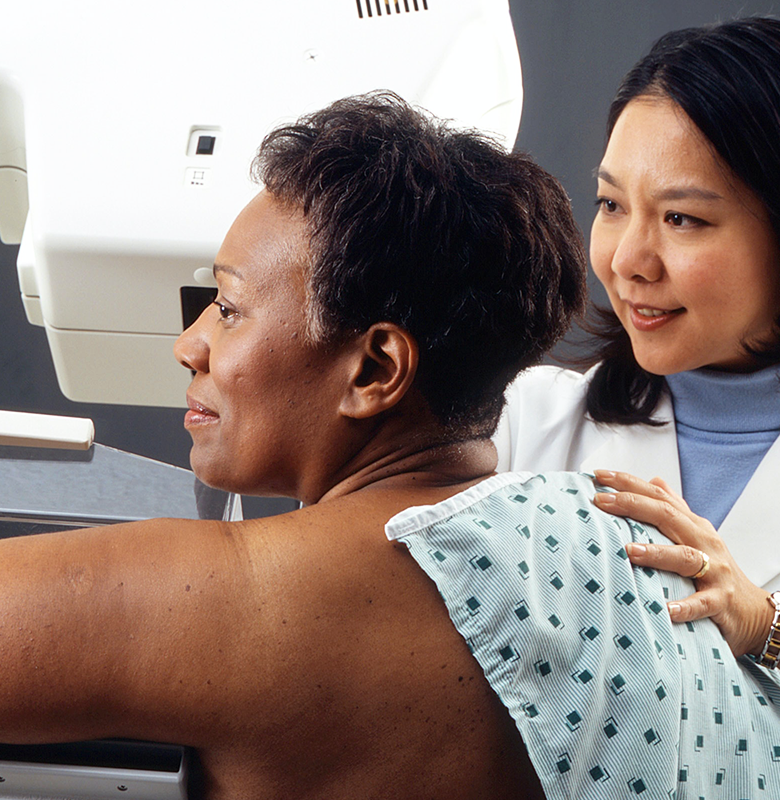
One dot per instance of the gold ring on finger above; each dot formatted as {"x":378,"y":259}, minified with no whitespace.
{"x":705,"y":565}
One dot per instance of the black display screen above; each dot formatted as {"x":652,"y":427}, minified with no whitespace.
{"x":193,"y":300}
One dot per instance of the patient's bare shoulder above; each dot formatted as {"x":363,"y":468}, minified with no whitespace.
{"x":370,"y":684}
{"x":304,"y":654}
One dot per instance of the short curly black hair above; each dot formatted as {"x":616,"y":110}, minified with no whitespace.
{"x":471,"y":249}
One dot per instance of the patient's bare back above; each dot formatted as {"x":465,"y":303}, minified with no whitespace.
{"x":303,"y":656}
{"x":368,"y":689}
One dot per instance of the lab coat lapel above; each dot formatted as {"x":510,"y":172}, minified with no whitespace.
{"x":751,"y":529}
{"x":642,"y":450}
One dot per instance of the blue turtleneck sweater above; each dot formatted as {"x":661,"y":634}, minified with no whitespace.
{"x":726,"y":422}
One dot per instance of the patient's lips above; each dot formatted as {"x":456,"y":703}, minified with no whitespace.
{"x":198,"y":414}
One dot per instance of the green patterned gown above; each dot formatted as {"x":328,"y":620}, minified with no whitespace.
{"x":612,"y":700}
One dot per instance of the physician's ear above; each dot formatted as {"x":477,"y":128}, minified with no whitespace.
{"x":384,"y":367}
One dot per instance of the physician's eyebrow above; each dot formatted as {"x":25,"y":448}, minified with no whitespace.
{"x":687,"y":193}
{"x":604,"y":175}
{"x":671,"y":193}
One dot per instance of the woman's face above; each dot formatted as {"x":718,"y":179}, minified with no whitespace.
{"x":684,"y":249}
{"x":259,"y":399}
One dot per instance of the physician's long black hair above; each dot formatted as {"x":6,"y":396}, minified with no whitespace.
{"x":726,"y":78}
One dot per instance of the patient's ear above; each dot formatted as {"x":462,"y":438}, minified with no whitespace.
{"x":384,"y":367}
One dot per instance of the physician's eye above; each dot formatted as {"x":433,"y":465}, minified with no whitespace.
{"x":678,"y":220}
{"x":605,"y":204}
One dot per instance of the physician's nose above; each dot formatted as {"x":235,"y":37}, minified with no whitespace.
{"x":636,"y":257}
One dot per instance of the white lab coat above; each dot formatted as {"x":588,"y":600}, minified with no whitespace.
{"x":545,"y":427}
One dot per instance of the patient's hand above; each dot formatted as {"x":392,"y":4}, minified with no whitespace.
{"x":737,"y":606}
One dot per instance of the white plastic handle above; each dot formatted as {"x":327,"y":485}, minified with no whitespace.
{"x":22,"y":429}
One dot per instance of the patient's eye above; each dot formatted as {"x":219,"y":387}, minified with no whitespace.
{"x":225,"y":312}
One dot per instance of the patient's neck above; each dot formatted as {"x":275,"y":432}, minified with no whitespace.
{"x":443,"y":465}
{"x":413,"y":454}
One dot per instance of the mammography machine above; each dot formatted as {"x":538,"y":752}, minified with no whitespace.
{"x":126,"y":134}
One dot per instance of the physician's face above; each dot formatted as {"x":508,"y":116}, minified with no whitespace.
{"x":257,"y":399}
{"x":684,"y":249}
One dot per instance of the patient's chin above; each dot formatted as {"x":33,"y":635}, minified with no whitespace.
{"x":211,"y":474}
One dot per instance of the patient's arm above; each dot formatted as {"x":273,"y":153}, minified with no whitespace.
{"x":303,"y":654}
{"x":92,"y":620}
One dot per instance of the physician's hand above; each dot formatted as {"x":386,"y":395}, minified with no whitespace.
{"x":737,"y":606}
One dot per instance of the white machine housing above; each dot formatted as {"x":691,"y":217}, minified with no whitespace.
{"x":105,"y":105}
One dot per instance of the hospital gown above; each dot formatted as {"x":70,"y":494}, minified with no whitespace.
{"x":611,"y":699}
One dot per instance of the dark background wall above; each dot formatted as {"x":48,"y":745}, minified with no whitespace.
{"x":573,"y":55}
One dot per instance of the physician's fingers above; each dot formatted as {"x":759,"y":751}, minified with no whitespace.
{"x":682,"y":559}
{"x":655,"y":489}
{"x":625,"y":481}
{"x":677,"y":524}
{"x":742,"y":629}
{"x":664,"y":486}
{"x":697,"y":606}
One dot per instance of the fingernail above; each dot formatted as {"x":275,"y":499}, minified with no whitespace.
{"x":674,"y":609}
{"x":604,"y":473}
{"x":605,"y":498}
{"x":636,"y":549}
